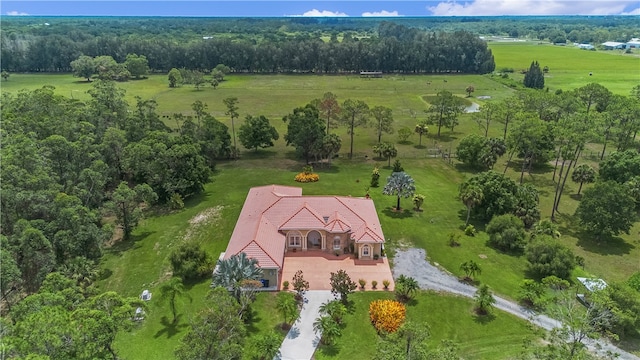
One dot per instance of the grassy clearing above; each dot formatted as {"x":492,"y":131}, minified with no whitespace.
{"x":569,"y":67}
{"x":495,"y":336}
{"x":142,"y":263}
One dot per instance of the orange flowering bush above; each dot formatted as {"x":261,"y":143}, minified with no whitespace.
{"x":307,"y":175}
{"x":387,"y":315}
{"x":305,"y":178}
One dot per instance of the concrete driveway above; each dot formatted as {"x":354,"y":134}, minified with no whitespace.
{"x":316,"y":267}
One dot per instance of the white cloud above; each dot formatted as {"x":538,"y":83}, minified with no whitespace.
{"x":16,"y":13}
{"x":530,"y":7}
{"x":323,"y":13}
{"x":632,"y":12}
{"x":383,"y":13}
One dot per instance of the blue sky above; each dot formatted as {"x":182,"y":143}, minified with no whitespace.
{"x":354,"y":8}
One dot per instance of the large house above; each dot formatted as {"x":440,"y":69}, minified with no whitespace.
{"x":278,"y":219}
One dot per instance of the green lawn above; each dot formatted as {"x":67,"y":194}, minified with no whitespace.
{"x":569,"y":67}
{"x":497,"y":336}
{"x":141,"y":263}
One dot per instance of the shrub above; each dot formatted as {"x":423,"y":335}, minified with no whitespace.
{"x":306,"y":178}
{"x":555,"y":283}
{"x":176,"y":202}
{"x":547,"y":257}
{"x":397,"y":167}
{"x":386,"y":284}
{"x":362,"y":283}
{"x":374,"y":284}
{"x":285,"y":285}
{"x":190,"y":261}
{"x":506,"y":232}
{"x":470,"y":230}
{"x":418,"y":200}
{"x":531,"y":293}
{"x":300,"y":285}
{"x":634,"y":281}
{"x":386,"y":315}
{"x":454,"y":239}
{"x":375,"y":177}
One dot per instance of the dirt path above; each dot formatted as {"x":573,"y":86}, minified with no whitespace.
{"x":412,"y":262}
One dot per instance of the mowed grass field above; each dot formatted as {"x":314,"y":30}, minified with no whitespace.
{"x":569,"y":67}
{"x":142,"y":263}
{"x":497,"y":336}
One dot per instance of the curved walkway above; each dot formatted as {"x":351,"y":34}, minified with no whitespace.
{"x":412,"y":262}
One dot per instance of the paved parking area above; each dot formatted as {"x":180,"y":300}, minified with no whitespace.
{"x":317,"y":266}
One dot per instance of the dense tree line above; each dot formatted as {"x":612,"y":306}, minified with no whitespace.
{"x":399,"y":50}
{"x":67,"y":165}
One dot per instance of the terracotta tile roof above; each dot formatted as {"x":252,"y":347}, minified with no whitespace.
{"x":268,"y":210}
{"x":336,"y":224}
{"x":304,"y":218}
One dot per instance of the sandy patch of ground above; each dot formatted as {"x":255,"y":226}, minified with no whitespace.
{"x":205,"y":217}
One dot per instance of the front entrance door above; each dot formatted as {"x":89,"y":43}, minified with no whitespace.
{"x":314,"y":240}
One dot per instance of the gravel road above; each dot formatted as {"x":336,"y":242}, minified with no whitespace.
{"x":412,"y":262}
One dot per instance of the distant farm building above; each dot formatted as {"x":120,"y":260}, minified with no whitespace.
{"x":371,"y":74}
{"x":612,"y":45}
{"x":586,"y":47}
{"x":633,"y":43}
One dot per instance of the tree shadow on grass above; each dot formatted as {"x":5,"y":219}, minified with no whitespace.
{"x":124,"y":245}
{"x":259,"y":154}
{"x":393,"y":213}
{"x":105,"y":274}
{"x":329,"y":350}
{"x":477,"y":223}
{"x":324,"y":168}
{"x":170,"y":329}
{"x":631,"y":342}
{"x":445,"y":136}
{"x":468,"y":169}
{"x":606,"y":245}
{"x":251,"y":326}
{"x":484,"y":319}
{"x":612,"y":245}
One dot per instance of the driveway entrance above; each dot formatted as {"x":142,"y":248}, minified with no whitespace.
{"x":317,"y":267}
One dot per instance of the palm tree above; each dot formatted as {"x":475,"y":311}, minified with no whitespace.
{"x":335,"y":309}
{"x":583,"y":174}
{"x":484,"y":300}
{"x":399,"y":184}
{"x":546,"y":227}
{"x":231,"y":272}
{"x":287,"y":306}
{"x":405,"y":288}
{"x":327,"y":328}
{"x":470,"y":268}
{"x":389,"y":151}
{"x":471,"y":195}
{"x":421,"y":129}
{"x":169,"y":291}
{"x":267,"y":346}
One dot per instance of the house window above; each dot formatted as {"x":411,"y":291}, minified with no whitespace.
{"x":336,"y":243}
{"x":365,"y":250}
{"x":295,"y":239}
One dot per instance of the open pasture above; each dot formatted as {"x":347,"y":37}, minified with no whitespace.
{"x":569,"y":67}
{"x":142,"y":262}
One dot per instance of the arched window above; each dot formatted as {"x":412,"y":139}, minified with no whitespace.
{"x":336,"y":243}
{"x":294,"y":239}
{"x":365,"y":250}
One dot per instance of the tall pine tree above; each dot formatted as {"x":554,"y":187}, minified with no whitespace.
{"x":534,"y":78}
